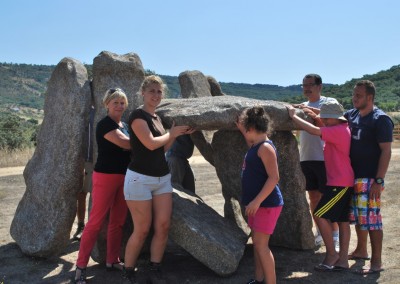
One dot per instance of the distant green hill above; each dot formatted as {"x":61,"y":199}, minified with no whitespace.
{"x":24,"y":85}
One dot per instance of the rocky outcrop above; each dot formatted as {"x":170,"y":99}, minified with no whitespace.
{"x":53,"y":177}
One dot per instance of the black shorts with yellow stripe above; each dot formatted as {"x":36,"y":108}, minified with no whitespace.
{"x":335,"y":204}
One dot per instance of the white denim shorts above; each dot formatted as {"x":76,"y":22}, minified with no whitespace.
{"x":141,"y":187}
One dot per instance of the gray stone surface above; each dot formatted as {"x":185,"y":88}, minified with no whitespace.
{"x":294,"y":226}
{"x":194,"y":84}
{"x":215,"y":87}
{"x":54,"y":175}
{"x":214,"y":113}
{"x":213,"y":240}
{"x":111,"y":70}
{"x":229,"y":148}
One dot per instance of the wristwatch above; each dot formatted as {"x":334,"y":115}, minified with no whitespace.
{"x":379,"y":181}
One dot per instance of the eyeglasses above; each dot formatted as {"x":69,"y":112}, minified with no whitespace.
{"x":308,"y":85}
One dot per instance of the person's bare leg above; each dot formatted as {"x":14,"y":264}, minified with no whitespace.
{"x":376,"y":237}
{"x":265,"y":256}
{"x":344,"y":239}
{"x":162,"y":210}
{"x":314,"y":196}
{"x":141,"y":217}
{"x":81,"y":207}
{"x":258,"y":269}
{"x":325,"y":228}
{"x":362,"y":241}
{"x":80,"y":214}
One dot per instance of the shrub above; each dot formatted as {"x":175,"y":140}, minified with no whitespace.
{"x":16,"y":133}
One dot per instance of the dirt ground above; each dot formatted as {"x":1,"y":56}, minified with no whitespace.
{"x":292,"y":266}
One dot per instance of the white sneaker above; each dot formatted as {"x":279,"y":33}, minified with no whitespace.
{"x":337,"y":244}
{"x":318,"y":240}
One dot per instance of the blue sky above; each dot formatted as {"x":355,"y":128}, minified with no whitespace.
{"x":261,"y":41}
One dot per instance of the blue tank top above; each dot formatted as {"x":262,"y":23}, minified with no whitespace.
{"x":254,"y":176}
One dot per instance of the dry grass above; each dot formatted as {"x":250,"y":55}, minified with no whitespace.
{"x":15,"y":158}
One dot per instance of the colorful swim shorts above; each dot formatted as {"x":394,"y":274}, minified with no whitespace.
{"x":365,"y":212}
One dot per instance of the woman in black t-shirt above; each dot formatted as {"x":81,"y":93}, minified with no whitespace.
{"x":147,"y":189}
{"x":112,"y":138}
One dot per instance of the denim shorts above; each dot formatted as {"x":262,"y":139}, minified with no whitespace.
{"x":142,"y":187}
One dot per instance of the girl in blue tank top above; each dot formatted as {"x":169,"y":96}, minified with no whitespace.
{"x":260,"y":190}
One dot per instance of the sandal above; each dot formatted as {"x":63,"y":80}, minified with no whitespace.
{"x":80,"y":275}
{"x":115,"y":266}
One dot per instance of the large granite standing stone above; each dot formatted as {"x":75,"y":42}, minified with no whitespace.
{"x":115,"y":71}
{"x":215,"y":87}
{"x":53,"y":177}
{"x":111,"y":70}
{"x":294,"y":226}
{"x":229,"y":148}
{"x":213,"y":240}
{"x":194,"y":84}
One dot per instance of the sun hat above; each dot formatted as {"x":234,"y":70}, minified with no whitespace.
{"x":332,"y":110}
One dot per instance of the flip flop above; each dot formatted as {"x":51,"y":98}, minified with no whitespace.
{"x":324,"y":267}
{"x":354,"y":257}
{"x":367,"y":271}
{"x":339,"y":268}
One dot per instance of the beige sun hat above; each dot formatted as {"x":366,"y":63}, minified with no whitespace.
{"x":332,"y":110}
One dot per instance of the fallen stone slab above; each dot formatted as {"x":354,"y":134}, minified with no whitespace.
{"x":213,"y":240}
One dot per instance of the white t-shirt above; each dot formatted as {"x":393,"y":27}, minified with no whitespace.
{"x":311,"y":146}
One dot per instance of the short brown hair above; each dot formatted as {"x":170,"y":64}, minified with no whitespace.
{"x":317,"y":78}
{"x":369,"y":87}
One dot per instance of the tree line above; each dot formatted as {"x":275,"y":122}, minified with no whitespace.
{"x":24,"y":85}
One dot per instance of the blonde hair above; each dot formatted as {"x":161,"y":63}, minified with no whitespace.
{"x":153,"y":79}
{"x":112,"y":94}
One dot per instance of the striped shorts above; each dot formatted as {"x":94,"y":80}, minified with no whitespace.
{"x":334,"y":204}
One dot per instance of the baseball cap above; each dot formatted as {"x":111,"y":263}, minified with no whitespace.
{"x":332,"y":110}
